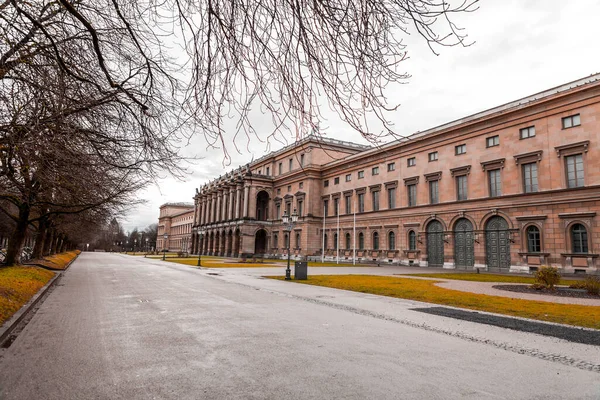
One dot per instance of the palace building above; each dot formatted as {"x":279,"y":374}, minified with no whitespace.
{"x":175,"y":220}
{"x":507,"y":189}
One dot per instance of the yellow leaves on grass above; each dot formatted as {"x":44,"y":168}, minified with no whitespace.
{"x":58,"y":261}
{"x":487,"y":278}
{"x":17,"y":285}
{"x":426,"y":291}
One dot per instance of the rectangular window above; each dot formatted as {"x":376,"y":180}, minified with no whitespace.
{"x":361,"y":202}
{"x":361,"y":174}
{"x":348,"y":204}
{"x":460,"y":149}
{"x":336,"y":181}
{"x":280,"y":168}
{"x":530,"y":178}
{"x":375,"y":200}
{"x":433,"y":156}
{"x":492,"y":141}
{"x":495,"y":183}
{"x":278,"y":190}
{"x":434,"y":194}
{"x":268,"y":172}
{"x":571,"y":121}
{"x":326,"y":183}
{"x":412,"y":195}
{"x":291,"y":163}
{"x":278,"y":211}
{"x":391,"y":167}
{"x":326,"y":207}
{"x":348,"y":177}
{"x":391,"y":198}
{"x":302,"y":159}
{"x":288,"y":208}
{"x":528,"y":132}
{"x":411,"y":162}
{"x":289,"y":188}
{"x":375,"y":171}
{"x":336,"y":206}
{"x":301,"y":185}
{"x":300,"y":207}
{"x":461,"y":187}
{"x":574,"y":170}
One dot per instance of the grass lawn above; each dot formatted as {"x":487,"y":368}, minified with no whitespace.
{"x":18,"y":284}
{"x":426,"y":291}
{"x":487,"y":278}
{"x":57,"y":261}
{"x":218,"y":263}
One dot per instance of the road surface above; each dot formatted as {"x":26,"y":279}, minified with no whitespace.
{"x":123,"y":327}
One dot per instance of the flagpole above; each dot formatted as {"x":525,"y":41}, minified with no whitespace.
{"x":338,"y":232}
{"x":323,"y":252}
{"x":354,"y":238}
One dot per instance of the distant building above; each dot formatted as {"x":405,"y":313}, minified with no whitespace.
{"x":510,"y":188}
{"x":176,"y":220}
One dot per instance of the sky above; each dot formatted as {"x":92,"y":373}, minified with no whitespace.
{"x":520,"y":47}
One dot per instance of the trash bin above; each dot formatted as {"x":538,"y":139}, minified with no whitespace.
{"x":301,"y":270}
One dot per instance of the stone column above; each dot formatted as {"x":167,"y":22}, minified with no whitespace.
{"x":225,"y":203}
{"x":231,"y":198}
{"x":238,"y":196}
{"x":246,"y":196}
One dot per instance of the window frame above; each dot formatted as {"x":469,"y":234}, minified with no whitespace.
{"x":433,"y":156}
{"x":495,"y":141}
{"x":391,"y":241}
{"x":495,"y":186}
{"x":462,"y":148}
{"x":434,"y":199}
{"x":579,"y":182}
{"x":529,"y":175}
{"x":534,"y":242}
{"x":391,"y":167}
{"x":583,"y":237}
{"x":411,"y":191}
{"x":572,"y":123}
{"x":348,"y":177}
{"x":361,"y":174}
{"x":412,"y":240}
{"x":411,"y":162}
{"x":375,"y":238}
{"x":375,"y":171}
{"x":527,"y":129}
{"x":391,"y":194}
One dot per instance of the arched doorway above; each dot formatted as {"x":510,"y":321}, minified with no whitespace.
{"x":229,"y":245}
{"x":217,"y":244}
{"x":237,"y":243}
{"x":260,"y":242}
{"x":497,"y":244}
{"x":262,"y":206}
{"x":435,"y":244}
{"x":464,"y":248}
{"x":211,"y":244}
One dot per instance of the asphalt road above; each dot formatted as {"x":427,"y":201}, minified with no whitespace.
{"x":121,"y":327}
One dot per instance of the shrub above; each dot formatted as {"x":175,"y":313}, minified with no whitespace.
{"x":578,"y":285}
{"x":547,"y":276}
{"x":592,"y":284}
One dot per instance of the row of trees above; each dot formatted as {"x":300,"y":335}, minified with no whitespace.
{"x":93,"y":103}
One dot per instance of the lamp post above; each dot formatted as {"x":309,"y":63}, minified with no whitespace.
{"x":146,"y":245}
{"x":289,"y":221}
{"x":200,"y":233}
{"x":134,"y":245}
{"x":165,"y":236}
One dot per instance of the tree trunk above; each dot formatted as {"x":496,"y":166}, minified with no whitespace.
{"x":40,"y":239}
{"x":16,"y":241}
{"x":47,"y":241}
{"x":55,"y":243}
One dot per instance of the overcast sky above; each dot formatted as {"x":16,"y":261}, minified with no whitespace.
{"x":521,"y":47}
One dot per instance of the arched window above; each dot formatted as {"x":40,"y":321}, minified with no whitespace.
{"x":391,"y":241}
{"x":297,"y":240}
{"x":286,"y":241}
{"x":275,"y":241}
{"x":412,"y":240}
{"x":579,"y":239}
{"x":325,"y":244}
{"x":534,"y":244}
{"x":348,"y":239}
{"x":361,"y":241}
{"x":335,"y":241}
{"x":375,"y":241}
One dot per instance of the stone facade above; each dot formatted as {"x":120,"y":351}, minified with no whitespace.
{"x":510,"y":188}
{"x":176,"y":220}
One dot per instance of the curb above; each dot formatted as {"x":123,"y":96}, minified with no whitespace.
{"x":10,"y":324}
{"x":7,"y":328}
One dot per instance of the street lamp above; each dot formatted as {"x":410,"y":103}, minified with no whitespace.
{"x":146,"y":245}
{"x":289,"y":221}
{"x":134,"y":245}
{"x":165,"y":236}
{"x":200,"y":233}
